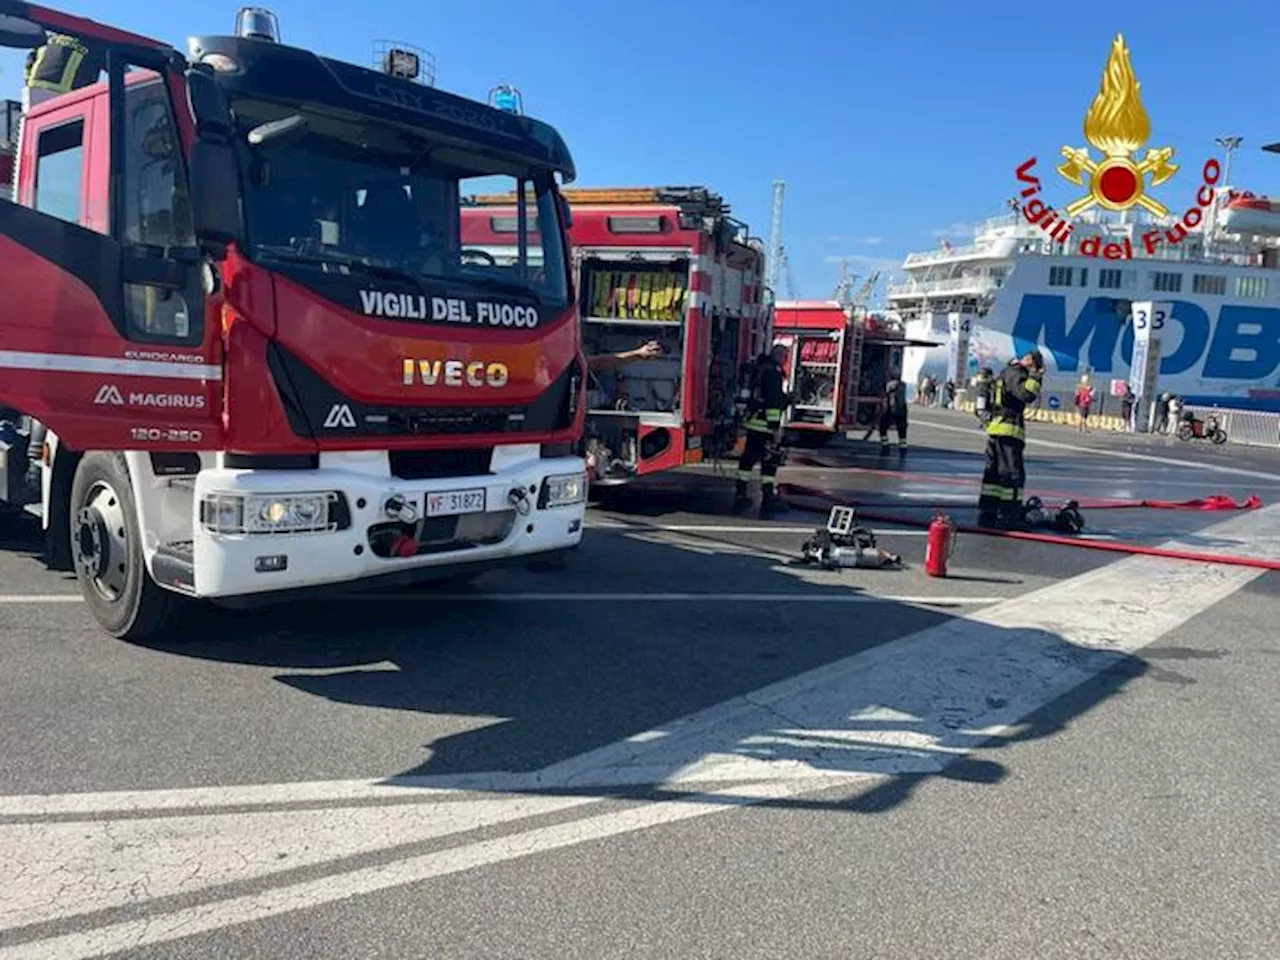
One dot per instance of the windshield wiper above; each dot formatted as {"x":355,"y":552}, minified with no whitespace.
{"x":290,"y":255}
{"x":478,"y":283}
{"x":505,"y":286}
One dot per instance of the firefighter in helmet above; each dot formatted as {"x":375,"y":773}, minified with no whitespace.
{"x":1017,"y":386}
{"x":763,"y":426}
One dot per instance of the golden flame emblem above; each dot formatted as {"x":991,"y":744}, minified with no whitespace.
{"x":1117,"y":124}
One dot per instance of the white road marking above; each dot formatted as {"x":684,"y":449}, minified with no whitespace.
{"x":1121,"y":454}
{"x":207,"y":849}
{"x":910,"y":706}
{"x":162,"y":928}
{"x":41,"y":598}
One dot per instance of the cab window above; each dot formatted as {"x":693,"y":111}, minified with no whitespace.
{"x":155,"y":211}
{"x":59,"y":171}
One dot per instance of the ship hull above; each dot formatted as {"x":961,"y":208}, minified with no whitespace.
{"x":1214,"y":350}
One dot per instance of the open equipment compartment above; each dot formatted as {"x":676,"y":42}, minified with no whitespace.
{"x":634,"y":412}
{"x":814,"y":377}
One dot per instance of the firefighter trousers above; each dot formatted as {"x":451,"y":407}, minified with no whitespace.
{"x":1002,"y":480}
{"x":759,"y":449}
{"x":898,"y":418}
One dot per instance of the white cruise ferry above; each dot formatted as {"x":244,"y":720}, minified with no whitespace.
{"x":1027,"y":290}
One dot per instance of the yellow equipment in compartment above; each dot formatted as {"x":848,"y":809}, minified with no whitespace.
{"x":638,"y":294}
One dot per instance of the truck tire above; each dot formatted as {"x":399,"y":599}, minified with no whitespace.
{"x":106,"y":549}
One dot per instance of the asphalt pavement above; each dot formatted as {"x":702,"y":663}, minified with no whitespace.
{"x":685,"y":743}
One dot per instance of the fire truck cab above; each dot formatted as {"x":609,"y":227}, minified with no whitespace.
{"x":838,"y":365}
{"x":244,"y":349}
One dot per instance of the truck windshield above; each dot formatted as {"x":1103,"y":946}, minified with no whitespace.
{"x":379,"y":197}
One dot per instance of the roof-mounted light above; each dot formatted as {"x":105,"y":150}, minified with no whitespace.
{"x":403,"y":61}
{"x":257,"y":23}
{"x":507,"y":99}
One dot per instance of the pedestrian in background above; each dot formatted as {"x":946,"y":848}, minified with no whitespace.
{"x":1126,"y":406}
{"x":1084,"y":403}
{"x":1175,"y":413}
{"x":894,"y":411}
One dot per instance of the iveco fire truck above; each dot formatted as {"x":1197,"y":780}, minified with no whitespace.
{"x":665,"y":264}
{"x":243,"y":347}
{"x":838,"y":364}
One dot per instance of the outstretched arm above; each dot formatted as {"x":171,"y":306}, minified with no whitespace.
{"x":611,"y":361}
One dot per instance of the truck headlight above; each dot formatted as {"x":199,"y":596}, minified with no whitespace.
{"x":267,"y":513}
{"x":563,"y":490}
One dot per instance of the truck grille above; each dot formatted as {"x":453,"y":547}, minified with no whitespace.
{"x":434,"y":464}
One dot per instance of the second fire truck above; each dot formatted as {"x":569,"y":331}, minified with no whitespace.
{"x":655,"y":263}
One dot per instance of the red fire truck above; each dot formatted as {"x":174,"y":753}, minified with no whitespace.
{"x":243,"y":349}
{"x":655,"y":263}
{"x":837,"y":367}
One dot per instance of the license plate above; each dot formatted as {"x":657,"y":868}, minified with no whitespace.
{"x":449,"y":503}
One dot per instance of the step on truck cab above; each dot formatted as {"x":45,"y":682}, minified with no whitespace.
{"x":244,"y":349}
{"x":665,"y":264}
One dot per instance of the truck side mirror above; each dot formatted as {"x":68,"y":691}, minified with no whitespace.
{"x":208,"y":105}
{"x":215,"y":193}
{"x":214,"y":165}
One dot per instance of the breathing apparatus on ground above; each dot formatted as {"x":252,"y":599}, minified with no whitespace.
{"x":842,"y":543}
{"x":1066,"y":519}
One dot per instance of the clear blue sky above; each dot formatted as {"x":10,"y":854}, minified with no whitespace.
{"x":892,"y":123}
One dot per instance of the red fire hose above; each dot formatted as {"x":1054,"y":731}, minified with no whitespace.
{"x":1215,"y":501}
{"x":798,"y":490}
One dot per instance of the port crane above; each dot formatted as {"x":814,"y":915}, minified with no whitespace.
{"x":777,"y":265}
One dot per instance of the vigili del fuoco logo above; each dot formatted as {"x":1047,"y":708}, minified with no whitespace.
{"x":1116,"y":125}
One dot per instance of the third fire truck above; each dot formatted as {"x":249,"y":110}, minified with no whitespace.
{"x":839,"y":362}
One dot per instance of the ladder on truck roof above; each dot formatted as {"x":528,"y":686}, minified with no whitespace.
{"x":696,"y":200}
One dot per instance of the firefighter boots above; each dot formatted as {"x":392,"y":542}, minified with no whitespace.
{"x":770,"y":503}
{"x":741,"y":497}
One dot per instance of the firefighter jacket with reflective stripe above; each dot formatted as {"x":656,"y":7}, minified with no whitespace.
{"x":768,"y":399}
{"x":64,"y":64}
{"x":1011,"y":392}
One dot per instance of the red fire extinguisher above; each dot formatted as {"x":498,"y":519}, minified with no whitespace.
{"x":942,"y":541}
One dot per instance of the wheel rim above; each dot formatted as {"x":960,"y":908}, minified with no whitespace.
{"x":101,"y":547}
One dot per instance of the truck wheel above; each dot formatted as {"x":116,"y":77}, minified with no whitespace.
{"x":106,"y":549}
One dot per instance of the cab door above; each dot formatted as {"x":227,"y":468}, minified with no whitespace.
{"x":104,"y":333}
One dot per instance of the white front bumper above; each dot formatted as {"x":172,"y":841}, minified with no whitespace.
{"x":227,"y":564}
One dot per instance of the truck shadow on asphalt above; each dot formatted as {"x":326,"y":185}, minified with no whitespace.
{"x":522,"y":695}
